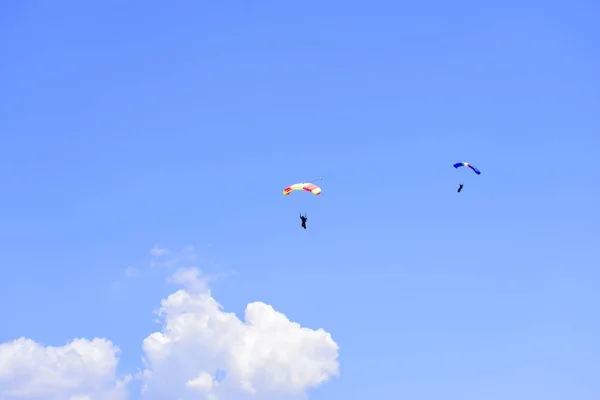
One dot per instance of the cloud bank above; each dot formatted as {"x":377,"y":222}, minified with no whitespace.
{"x":80,"y":370}
{"x":201,"y":352}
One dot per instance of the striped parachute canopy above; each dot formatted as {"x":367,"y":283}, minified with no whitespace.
{"x":466,"y":164}
{"x":308,"y":187}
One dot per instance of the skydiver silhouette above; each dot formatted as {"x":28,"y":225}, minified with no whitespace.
{"x":303,"y":218}
{"x":460,"y":188}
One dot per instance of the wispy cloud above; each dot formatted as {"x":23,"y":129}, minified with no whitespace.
{"x":157,"y":251}
{"x":131,"y":272}
{"x":169,"y":260}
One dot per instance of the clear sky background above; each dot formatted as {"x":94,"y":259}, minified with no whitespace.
{"x":129,"y":124}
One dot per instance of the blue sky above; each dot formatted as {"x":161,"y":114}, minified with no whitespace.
{"x":129,"y":125}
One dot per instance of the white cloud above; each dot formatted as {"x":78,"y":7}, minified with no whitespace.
{"x":201,"y":352}
{"x":80,"y":370}
{"x":265,"y":357}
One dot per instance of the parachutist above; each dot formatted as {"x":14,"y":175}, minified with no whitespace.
{"x":303,"y":218}
{"x":460,"y":188}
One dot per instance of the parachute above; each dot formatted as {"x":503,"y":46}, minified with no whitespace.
{"x":308,"y":187}
{"x":304,"y":187}
{"x":466,"y":164}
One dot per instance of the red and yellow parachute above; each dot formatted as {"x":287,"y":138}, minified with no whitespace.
{"x":308,"y":187}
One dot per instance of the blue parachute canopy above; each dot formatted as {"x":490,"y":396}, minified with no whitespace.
{"x":466,"y":164}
